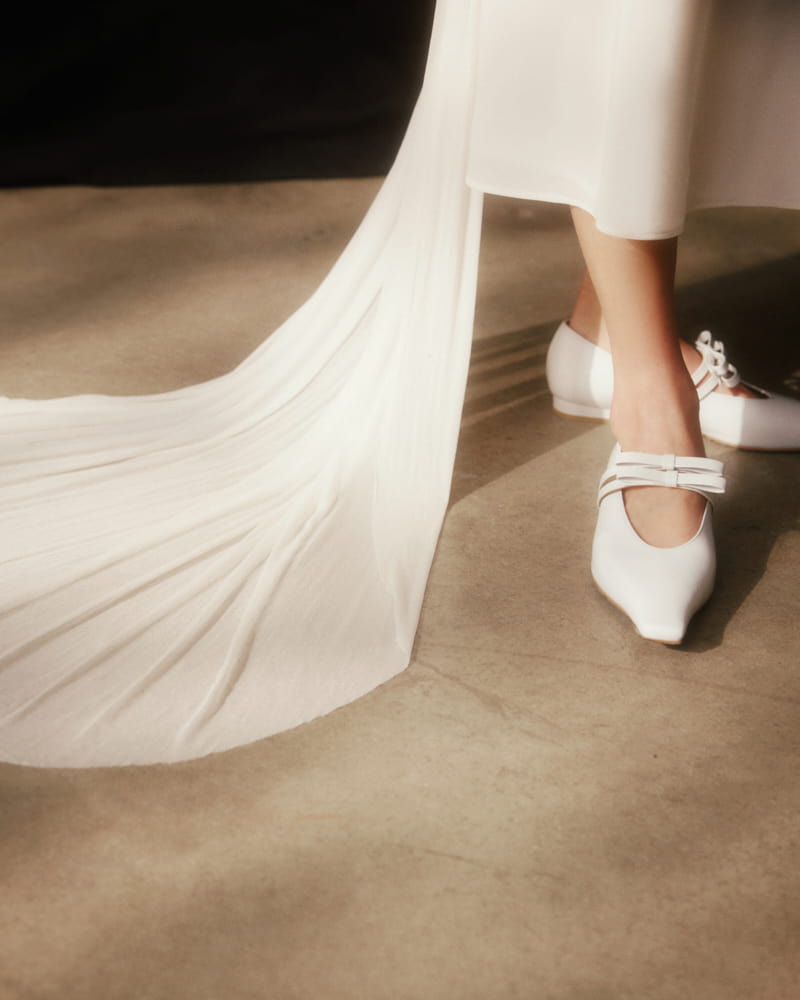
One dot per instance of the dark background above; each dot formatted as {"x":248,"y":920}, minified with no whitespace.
{"x":177,"y":92}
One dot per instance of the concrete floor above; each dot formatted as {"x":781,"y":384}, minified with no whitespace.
{"x":543,"y":806}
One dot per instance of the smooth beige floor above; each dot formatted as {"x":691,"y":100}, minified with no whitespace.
{"x":543,"y":806}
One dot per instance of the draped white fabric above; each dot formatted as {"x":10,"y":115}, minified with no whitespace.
{"x":639,"y":110}
{"x":189,"y":571}
{"x":185,"y":572}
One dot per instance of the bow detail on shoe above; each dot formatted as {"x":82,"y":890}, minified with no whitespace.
{"x":714,"y":368}
{"x":636,"y":468}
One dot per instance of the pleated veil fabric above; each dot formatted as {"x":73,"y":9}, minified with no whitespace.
{"x":186,"y":572}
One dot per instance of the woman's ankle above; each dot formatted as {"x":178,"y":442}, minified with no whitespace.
{"x":660,"y":416}
{"x":587,"y":315}
{"x":661,"y":426}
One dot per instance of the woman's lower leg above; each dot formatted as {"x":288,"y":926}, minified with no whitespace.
{"x":587,"y":320}
{"x":655,"y":406}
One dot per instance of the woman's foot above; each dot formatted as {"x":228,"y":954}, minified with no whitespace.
{"x":661,"y":420}
{"x":659,"y":589}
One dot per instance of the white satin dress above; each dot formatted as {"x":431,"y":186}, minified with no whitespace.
{"x":639,"y":110}
{"x":186,"y":572}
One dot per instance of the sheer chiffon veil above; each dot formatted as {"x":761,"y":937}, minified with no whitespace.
{"x":186,"y":572}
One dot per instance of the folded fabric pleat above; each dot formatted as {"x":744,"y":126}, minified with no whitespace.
{"x":186,"y":572}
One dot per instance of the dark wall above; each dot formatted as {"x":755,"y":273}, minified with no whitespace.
{"x":125,"y":92}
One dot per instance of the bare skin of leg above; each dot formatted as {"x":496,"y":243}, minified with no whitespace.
{"x":655,"y":406}
{"x":587,"y":320}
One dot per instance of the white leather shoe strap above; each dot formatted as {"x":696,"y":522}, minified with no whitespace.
{"x":714,"y":368}
{"x":635,"y":468}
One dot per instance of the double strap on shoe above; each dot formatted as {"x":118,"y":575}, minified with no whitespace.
{"x":636,"y":468}
{"x":714,"y":368}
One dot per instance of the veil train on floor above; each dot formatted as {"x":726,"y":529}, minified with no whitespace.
{"x":185,"y":572}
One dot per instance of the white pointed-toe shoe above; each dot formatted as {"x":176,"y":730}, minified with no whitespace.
{"x":581,"y":378}
{"x":659,"y":589}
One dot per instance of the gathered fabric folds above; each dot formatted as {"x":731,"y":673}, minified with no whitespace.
{"x":186,"y":572}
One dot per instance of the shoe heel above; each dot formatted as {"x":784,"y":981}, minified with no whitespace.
{"x":580,"y":411}
{"x":580,"y":376}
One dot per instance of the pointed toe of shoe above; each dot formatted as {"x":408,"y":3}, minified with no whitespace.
{"x":767,"y":422}
{"x":671,"y":633}
{"x":658,"y":589}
